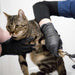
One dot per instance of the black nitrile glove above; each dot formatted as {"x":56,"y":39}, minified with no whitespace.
{"x":17,"y":47}
{"x":52,"y":39}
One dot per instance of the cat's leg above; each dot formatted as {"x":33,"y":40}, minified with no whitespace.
{"x":23,"y":64}
{"x":61,"y":68}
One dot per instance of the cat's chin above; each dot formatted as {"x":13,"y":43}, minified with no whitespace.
{"x":16,"y":38}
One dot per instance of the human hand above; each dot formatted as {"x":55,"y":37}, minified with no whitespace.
{"x":52,"y":39}
{"x":4,"y":35}
{"x":17,"y":47}
{"x":53,"y":44}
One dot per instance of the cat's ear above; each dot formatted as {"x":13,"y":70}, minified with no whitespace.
{"x":6,"y":14}
{"x":21,"y":14}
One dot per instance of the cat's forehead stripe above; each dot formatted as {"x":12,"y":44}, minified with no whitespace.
{"x":12,"y":19}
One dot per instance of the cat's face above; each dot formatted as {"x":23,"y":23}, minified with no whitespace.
{"x":17,"y":25}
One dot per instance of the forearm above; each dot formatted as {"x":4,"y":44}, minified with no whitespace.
{"x":45,"y":9}
{"x":16,"y":47}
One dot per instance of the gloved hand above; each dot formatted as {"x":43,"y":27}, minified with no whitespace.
{"x":52,"y":39}
{"x":17,"y":47}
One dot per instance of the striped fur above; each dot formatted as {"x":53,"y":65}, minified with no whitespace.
{"x":46,"y":62}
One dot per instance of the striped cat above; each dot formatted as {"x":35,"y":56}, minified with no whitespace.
{"x":20,"y":27}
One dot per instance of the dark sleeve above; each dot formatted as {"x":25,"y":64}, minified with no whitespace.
{"x":16,"y":47}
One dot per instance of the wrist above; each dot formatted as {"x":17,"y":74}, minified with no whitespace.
{"x":44,"y":21}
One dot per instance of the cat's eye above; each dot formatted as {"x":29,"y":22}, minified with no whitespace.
{"x":17,"y":25}
{"x":8,"y":26}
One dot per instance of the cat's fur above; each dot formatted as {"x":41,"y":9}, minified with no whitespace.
{"x":20,"y":27}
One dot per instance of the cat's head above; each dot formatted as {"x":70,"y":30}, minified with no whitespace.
{"x":17,"y":25}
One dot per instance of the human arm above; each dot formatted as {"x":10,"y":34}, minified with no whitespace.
{"x":9,"y":46}
{"x":16,"y":47}
{"x":42,"y":15}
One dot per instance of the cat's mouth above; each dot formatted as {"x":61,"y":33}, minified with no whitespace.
{"x":14,"y":37}
{"x":17,"y":35}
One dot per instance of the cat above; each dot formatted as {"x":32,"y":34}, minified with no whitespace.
{"x":20,"y":27}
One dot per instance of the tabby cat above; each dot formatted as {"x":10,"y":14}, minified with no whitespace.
{"x":20,"y":27}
